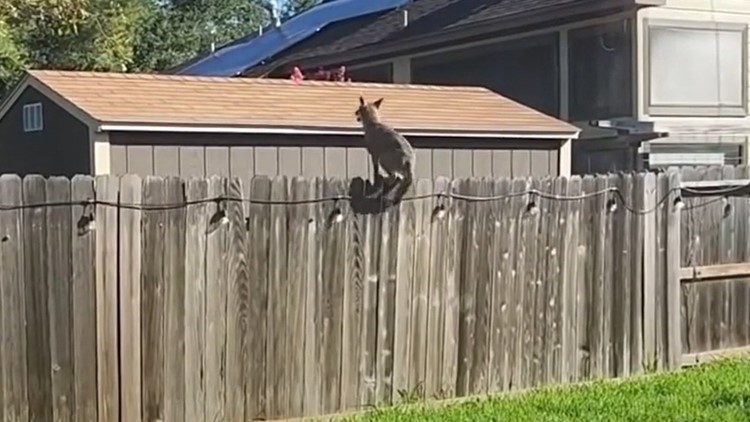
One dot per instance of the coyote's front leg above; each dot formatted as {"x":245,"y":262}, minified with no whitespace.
{"x":377,"y":179}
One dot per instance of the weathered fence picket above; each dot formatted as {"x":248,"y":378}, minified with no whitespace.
{"x":170,"y":299}
{"x":14,"y":329}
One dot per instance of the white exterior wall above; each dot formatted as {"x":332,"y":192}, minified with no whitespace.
{"x":692,"y":128}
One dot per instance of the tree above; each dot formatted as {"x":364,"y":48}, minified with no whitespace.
{"x":181,"y":29}
{"x":67,"y":34}
{"x":12,"y":58}
{"x":123,"y":35}
{"x":293,"y":7}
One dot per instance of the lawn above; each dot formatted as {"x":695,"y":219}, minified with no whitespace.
{"x":716,"y":392}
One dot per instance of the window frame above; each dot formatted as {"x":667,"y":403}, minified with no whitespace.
{"x":676,"y":110}
{"x":33,"y":117}
{"x":733,"y":152}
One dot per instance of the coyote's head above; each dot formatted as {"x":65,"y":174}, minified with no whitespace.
{"x":368,"y":112}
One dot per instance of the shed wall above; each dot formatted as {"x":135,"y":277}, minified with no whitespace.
{"x":61,"y":148}
{"x":319,"y":157}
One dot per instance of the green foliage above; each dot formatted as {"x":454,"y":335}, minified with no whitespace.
{"x":67,"y":34}
{"x":717,"y":392}
{"x":117,"y":35}
{"x":12,"y":58}
{"x":412,"y":396}
{"x":292,"y":7}
{"x":122,"y":35}
{"x":180,"y":29}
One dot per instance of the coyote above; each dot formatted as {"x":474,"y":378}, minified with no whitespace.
{"x":388,"y":149}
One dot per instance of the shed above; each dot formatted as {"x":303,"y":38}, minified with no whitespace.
{"x":70,"y":122}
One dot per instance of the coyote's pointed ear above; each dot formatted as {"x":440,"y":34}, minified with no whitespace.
{"x":361,"y":100}
{"x":377,"y":103}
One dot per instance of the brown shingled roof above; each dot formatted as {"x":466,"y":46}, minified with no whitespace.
{"x":170,"y":100}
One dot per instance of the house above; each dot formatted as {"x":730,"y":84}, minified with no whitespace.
{"x":66,"y":123}
{"x":651,"y":83}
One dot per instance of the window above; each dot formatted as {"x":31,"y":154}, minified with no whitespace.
{"x":525,"y":70}
{"x":693,"y":154}
{"x":601,"y":71}
{"x":33,"y":120}
{"x":696,"y":69}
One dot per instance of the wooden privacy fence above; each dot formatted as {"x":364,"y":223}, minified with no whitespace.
{"x":715,"y":261}
{"x":171,"y":305}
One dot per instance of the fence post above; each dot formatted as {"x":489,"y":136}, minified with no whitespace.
{"x":674,"y":330}
{"x":650,"y":251}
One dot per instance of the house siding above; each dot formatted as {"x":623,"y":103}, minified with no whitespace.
{"x":62,"y":148}
{"x":206,"y":155}
{"x":692,"y":129}
{"x":683,"y":130}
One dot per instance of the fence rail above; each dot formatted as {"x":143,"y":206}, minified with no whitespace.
{"x":213,"y":300}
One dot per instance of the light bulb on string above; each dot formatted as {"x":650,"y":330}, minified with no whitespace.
{"x":87,"y":222}
{"x":612,"y":205}
{"x":727,"y":212}
{"x":440,"y":210}
{"x":219,"y":218}
{"x":678,"y":204}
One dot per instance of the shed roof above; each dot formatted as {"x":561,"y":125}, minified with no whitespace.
{"x":117,"y":101}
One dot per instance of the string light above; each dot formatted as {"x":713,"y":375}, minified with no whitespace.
{"x":612,"y":205}
{"x":531,"y":207}
{"x":727,"y":208}
{"x":440,"y":211}
{"x":678,"y":204}
{"x":221,"y":217}
{"x":336,"y":215}
{"x":87,"y":222}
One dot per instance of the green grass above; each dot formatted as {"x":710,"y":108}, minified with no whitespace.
{"x":715,"y":392}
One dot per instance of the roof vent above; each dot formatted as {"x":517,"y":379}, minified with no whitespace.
{"x":406,"y":17}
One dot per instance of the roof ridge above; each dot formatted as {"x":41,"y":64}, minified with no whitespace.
{"x":248,"y":80}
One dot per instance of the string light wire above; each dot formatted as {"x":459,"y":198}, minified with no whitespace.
{"x":456,"y":196}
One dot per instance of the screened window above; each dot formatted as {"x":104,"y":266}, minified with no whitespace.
{"x":696,"y":69}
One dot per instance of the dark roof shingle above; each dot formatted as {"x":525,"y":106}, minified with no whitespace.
{"x":424,"y":17}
